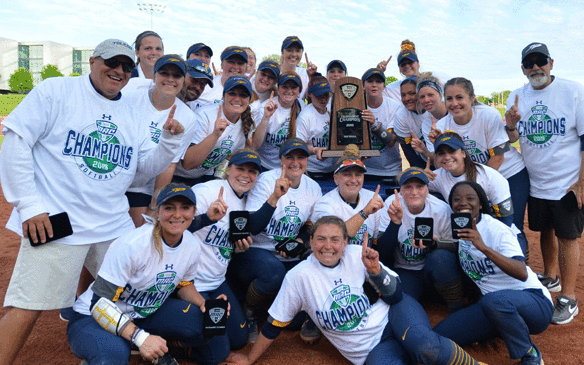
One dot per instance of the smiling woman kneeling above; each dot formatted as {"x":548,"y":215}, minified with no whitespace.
{"x":329,"y":287}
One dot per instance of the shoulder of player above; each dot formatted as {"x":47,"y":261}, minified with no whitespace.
{"x":310,"y":184}
{"x":205,"y":191}
{"x":138,"y":239}
{"x":391,"y":104}
{"x":487,"y":111}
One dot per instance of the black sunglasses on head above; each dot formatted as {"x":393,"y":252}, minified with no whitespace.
{"x":114,"y":63}
{"x":539,"y":61}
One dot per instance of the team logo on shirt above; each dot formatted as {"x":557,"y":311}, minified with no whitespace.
{"x":475,"y":269}
{"x":217,"y":237}
{"x":476,"y":154}
{"x":407,"y":249}
{"x":360,"y":236}
{"x":99,"y":150}
{"x":324,"y":140}
{"x":345,"y":309}
{"x":219,"y":154}
{"x":287,"y":225}
{"x":155,"y":132}
{"x":542,"y":127}
{"x":146,"y":302}
{"x":280,"y":136}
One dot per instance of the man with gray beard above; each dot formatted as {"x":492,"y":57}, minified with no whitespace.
{"x":547,"y":116}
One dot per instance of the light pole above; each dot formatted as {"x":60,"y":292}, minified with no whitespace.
{"x":151,"y":7}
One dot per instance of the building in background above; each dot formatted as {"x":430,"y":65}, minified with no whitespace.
{"x":33,"y":56}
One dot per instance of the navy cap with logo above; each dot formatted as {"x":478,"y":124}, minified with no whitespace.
{"x":406,"y":55}
{"x":270,"y":65}
{"x":535,"y":47}
{"x":289,"y":76}
{"x":373,"y":72}
{"x":170,"y":60}
{"x":234,"y":81}
{"x":336,"y":63}
{"x":320,"y":88}
{"x":173,"y":191}
{"x":413,"y":174}
{"x":197,"y":47}
{"x":293,"y":145}
{"x":234,"y":52}
{"x":451,"y":141}
{"x":290,"y":41}
{"x":243,"y":157}
{"x":198,"y":69}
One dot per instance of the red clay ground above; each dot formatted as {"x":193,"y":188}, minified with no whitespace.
{"x":48,"y":342}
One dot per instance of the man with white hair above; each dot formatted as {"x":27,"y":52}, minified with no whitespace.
{"x":547,"y":116}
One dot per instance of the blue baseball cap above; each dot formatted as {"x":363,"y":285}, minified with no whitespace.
{"x":337,"y":63}
{"x":451,"y":141}
{"x":236,"y":51}
{"x":234,"y":81}
{"x":290,"y":41}
{"x":289,"y":76}
{"x":172,"y":191}
{"x":373,"y":72}
{"x":198,"y":69}
{"x":413,"y":174}
{"x":320,"y":88}
{"x":293,"y":145}
{"x":170,"y":60}
{"x":407,"y":55}
{"x":197,"y":47}
{"x":242,"y":157}
{"x":270,"y":65}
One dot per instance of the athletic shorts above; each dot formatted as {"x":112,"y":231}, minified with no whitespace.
{"x":46,"y":277}
{"x":545,"y":214}
{"x":137,"y":200}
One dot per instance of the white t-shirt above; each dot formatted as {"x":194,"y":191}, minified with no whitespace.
{"x":406,"y":255}
{"x":313,"y":128}
{"x":132,"y":263}
{"x":138,"y":83}
{"x":293,"y":209}
{"x":389,"y":163}
{"x":231,"y":140}
{"x":552,"y":120}
{"x":85,"y":157}
{"x":495,"y":185}
{"x":333,"y":204}
{"x":393,"y":91}
{"x":155,"y":120}
{"x":216,"y":250}
{"x":211,"y":95}
{"x":277,"y":132}
{"x":406,"y":121}
{"x":484,"y":132}
{"x":305,"y":79}
{"x":335,"y":300}
{"x":486,"y":275}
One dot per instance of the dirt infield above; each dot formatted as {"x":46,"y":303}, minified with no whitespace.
{"x":48,"y":342}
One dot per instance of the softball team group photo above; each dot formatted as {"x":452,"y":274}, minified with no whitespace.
{"x":175,"y":212}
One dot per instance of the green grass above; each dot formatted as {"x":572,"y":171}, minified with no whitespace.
{"x":8,"y":102}
{"x":502,"y":111}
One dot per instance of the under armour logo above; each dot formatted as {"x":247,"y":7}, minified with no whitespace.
{"x":168,"y":267}
{"x":292,"y":203}
{"x":339,"y":282}
{"x":108,"y":117}
{"x":534,"y":46}
{"x":539,"y":102}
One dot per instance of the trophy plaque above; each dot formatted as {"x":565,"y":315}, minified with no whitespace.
{"x":347,"y":125}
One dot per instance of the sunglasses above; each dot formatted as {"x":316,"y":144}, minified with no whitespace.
{"x":201,"y":69}
{"x":113,"y":63}
{"x":539,"y":61}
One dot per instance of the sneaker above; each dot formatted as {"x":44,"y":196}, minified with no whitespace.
{"x":530,"y":359}
{"x":66,"y":313}
{"x":165,"y":360}
{"x":565,"y":310}
{"x":309,"y":333}
{"x":553,"y":285}
{"x":252,"y":325}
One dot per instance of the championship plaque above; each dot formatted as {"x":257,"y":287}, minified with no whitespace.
{"x":215,"y":317}
{"x":347,"y":125}
{"x":238,"y":225}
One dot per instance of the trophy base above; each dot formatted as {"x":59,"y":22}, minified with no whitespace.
{"x":362,"y":153}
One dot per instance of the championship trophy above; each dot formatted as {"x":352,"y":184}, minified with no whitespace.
{"x":347,"y":125}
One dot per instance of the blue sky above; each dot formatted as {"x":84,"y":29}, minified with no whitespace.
{"x":479,"y":40}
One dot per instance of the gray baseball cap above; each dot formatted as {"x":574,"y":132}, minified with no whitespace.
{"x":114,"y":47}
{"x":535,"y":47}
